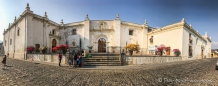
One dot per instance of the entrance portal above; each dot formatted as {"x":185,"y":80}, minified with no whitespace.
{"x":202,"y":54}
{"x":101,"y":45}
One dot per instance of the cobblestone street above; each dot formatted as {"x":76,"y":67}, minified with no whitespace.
{"x":186,"y":73}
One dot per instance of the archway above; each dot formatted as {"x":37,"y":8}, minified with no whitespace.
{"x":101,"y":45}
{"x":54,"y":43}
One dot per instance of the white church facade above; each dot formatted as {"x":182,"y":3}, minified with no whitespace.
{"x":33,"y":30}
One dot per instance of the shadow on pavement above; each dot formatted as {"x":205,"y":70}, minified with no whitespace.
{"x":37,"y":63}
{"x":88,"y":67}
{"x":8,"y":66}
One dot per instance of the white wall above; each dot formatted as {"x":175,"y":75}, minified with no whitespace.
{"x":170,"y":38}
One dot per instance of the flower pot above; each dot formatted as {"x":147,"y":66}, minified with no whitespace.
{"x":130,"y":52}
{"x":64,"y":51}
{"x":43,"y":51}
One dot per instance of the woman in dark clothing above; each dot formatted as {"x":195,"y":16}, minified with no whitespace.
{"x":60,"y":57}
{"x":75,"y":60}
{"x":4,"y":61}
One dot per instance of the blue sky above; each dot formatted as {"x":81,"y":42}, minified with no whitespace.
{"x":201,"y":14}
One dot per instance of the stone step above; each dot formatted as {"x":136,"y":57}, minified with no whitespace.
{"x":102,"y":64}
{"x":116,"y":62}
{"x":102,"y":58}
{"x":94,"y":60}
{"x":104,"y":54}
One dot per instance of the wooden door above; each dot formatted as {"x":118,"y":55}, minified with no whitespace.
{"x":168,"y":51}
{"x":101,"y":45}
{"x":54,"y":43}
{"x":37,"y":46}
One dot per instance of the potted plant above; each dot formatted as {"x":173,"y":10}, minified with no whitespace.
{"x":132,"y":47}
{"x":62,"y":47}
{"x":176,"y":52}
{"x":113,"y":48}
{"x":160,"y":49}
{"x":90,"y":48}
{"x":43,"y":49}
{"x":30,"y":49}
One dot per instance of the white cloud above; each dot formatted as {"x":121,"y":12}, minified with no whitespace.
{"x":215,"y":43}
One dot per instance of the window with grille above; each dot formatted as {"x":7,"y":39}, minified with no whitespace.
{"x":130,"y":32}
{"x":74,"y":32}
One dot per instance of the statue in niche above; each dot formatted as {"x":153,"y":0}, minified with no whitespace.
{"x":74,"y":44}
{"x":102,"y":25}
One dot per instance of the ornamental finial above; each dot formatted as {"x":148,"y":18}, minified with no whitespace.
{"x":205,"y":34}
{"x":27,"y":6}
{"x":183,"y":20}
{"x":118,"y":17}
{"x":87,"y":17}
{"x":15,"y":19}
{"x":45,"y":15}
{"x":62,"y":21}
{"x":145,"y":23}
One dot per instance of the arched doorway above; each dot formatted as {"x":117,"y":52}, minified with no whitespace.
{"x":101,"y":45}
{"x":54,"y":43}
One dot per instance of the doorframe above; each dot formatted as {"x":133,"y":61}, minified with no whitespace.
{"x":105,"y":46}
{"x":96,"y":42}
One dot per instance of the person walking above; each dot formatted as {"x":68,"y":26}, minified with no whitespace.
{"x":60,"y":57}
{"x":70,"y":61}
{"x":75,"y":60}
{"x":4,"y":61}
{"x":73,"y":52}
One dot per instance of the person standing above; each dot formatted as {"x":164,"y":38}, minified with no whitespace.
{"x":73,"y":52}
{"x":4,"y":61}
{"x":79,"y":60}
{"x":75,"y":60}
{"x":60,"y":57}
{"x":70,"y":61}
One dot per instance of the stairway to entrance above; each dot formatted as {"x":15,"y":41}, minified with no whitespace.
{"x":102,"y":59}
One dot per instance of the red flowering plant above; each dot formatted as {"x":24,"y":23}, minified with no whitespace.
{"x":62,"y":47}
{"x":160,"y":49}
{"x":176,"y":52}
{"x":30,"y":49}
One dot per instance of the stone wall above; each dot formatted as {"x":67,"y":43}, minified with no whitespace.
{"x":140,"y":60}
{"x":52,"y":58}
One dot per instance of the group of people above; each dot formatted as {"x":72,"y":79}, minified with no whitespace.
{"x":74,"y":60}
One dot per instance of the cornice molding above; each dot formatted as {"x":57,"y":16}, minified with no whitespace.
{"x":35,"y":16}
{"x":167,"y":28}
{"x":179,"y":25}
{"x":101,"y":30}
{"x":190,"y":29}
{"x":131,"y":24}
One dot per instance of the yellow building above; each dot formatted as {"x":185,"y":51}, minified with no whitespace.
{"x":214,"y":53}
